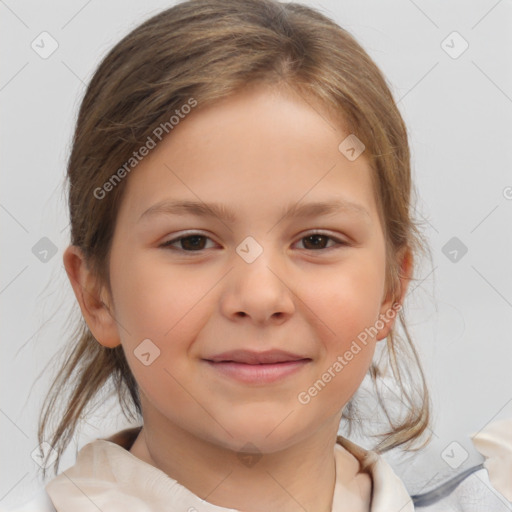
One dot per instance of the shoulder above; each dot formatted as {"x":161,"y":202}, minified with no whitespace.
{"x":40,"y":502}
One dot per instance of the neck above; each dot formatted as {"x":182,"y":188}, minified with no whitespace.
{"x":300,"y":477}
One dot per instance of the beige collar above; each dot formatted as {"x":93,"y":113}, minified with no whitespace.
{"x":110,"y":477}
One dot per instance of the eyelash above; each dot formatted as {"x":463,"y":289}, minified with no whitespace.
{"x":167,"y":244}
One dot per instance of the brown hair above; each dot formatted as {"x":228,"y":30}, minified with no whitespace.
{"x":207,"y":50}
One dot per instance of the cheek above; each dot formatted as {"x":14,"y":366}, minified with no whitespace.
{"x":348,"y":300}
{"x":348,"y":304}
{"x":166,"y":306}
{"x":153,"y":303}
{"x":155,"y":300}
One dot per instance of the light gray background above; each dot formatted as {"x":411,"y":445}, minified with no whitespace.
{"x":458,"y":112}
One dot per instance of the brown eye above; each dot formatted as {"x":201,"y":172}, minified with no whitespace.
{"x":197,"y":242}
{"x":188,"y":243}
{"x":194,"y":242}
{"x":317,"y":241}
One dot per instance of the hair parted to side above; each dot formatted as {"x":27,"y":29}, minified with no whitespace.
{"x":207,"y":50}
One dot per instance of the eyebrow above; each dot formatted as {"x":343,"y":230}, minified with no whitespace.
{"x":201,"y":209}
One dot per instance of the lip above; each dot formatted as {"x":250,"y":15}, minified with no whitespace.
{"x":253,"y":357}
{"x":257,"y":367}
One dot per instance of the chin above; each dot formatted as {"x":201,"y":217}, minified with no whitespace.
{"x":263,"y":436}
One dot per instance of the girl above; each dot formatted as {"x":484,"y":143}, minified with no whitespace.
{"x":241,"y":241}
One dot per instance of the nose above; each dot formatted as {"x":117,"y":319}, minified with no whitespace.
{"x":259,"y":291}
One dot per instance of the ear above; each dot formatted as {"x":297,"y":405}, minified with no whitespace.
{"x":392,"y":304}
{"x":92,"y":297}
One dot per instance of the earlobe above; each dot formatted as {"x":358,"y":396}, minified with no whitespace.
{"x":392,"y":305}
{"x":91,"y":297}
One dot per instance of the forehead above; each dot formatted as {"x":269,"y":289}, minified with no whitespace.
{"x":262,"y":146}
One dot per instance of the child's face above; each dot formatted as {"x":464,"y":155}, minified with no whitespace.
{"x":255,"y":154}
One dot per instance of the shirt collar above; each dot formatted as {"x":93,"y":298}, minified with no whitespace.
{"x":109,"y":476}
